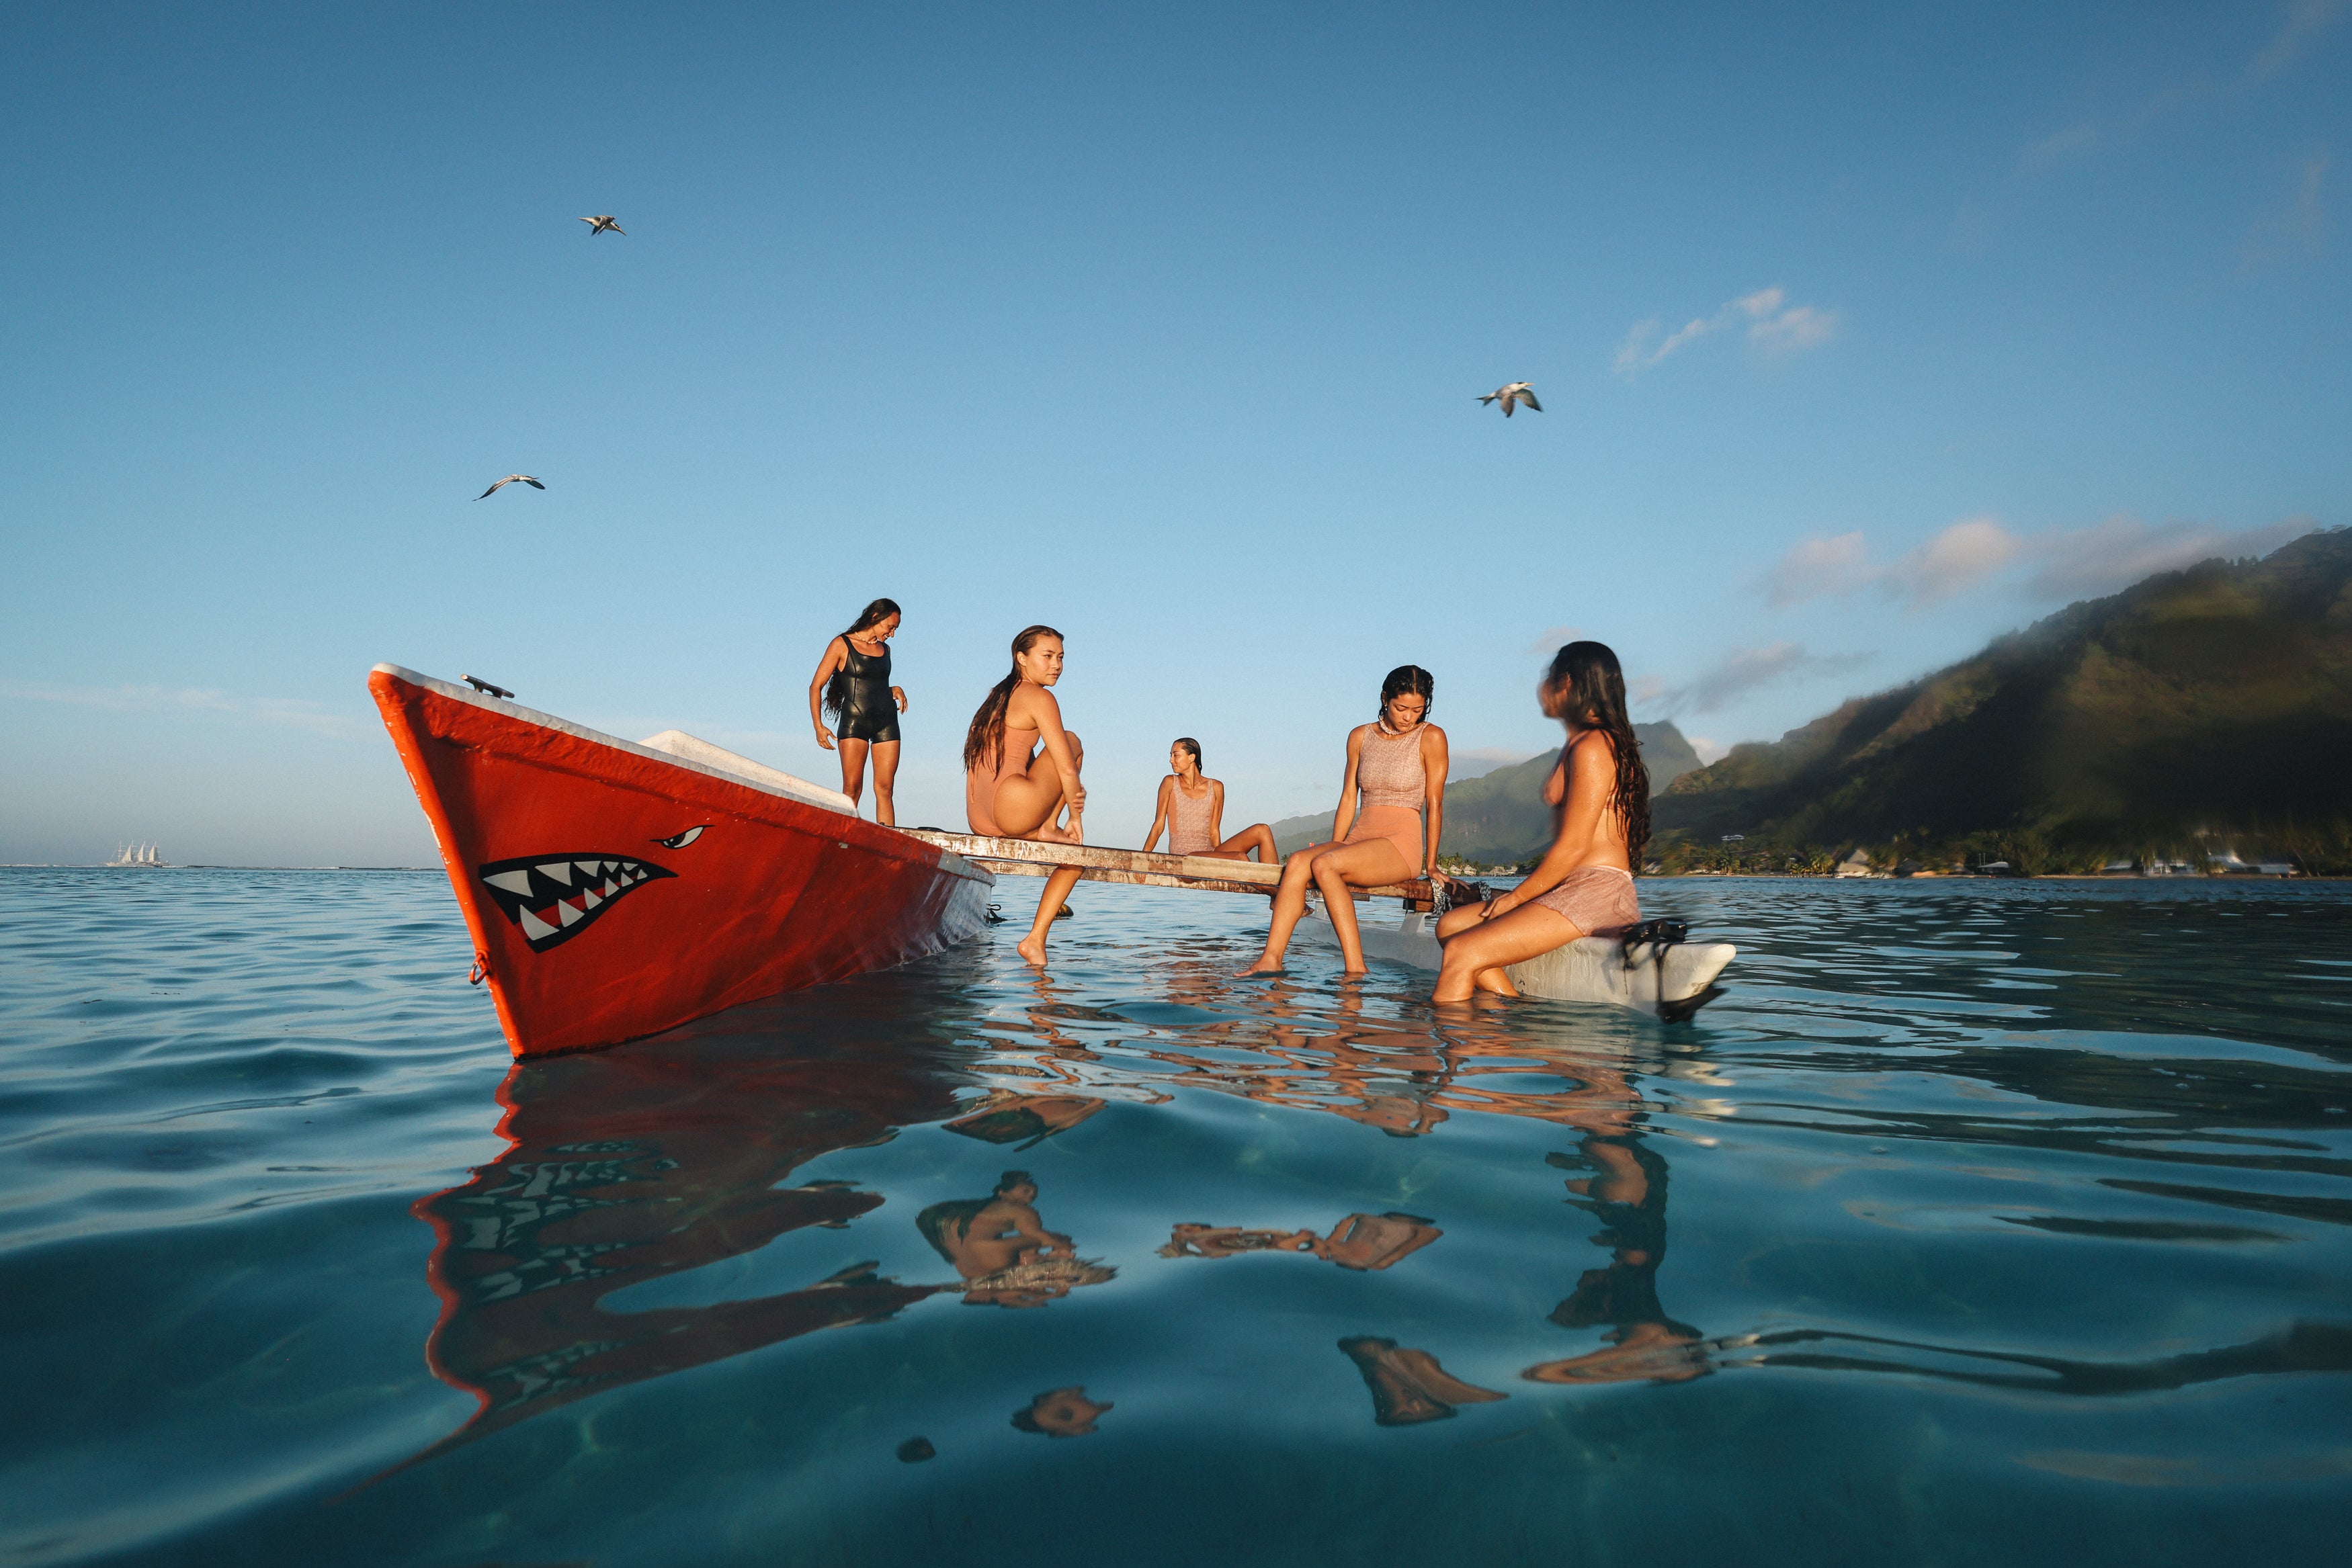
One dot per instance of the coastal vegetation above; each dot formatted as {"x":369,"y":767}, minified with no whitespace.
{"x":2197,"y":713}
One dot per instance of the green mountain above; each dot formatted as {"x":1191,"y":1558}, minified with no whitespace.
{"x":1500,"y":816}
{"x":2216,"y":700}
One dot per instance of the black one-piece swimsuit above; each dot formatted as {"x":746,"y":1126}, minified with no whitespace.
{"x":863,"y":684}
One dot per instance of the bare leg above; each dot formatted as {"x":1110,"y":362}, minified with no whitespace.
{"x":1049,"y":904}
{"x":1289,"y":906}
{"x":1257,"y":836}
{"x":886,"y":774}
{"x":1027,"y":803}
{"x":1367,"y":864}
{"x":1455,"y":921}
{"x":853,"y":767}
{"x":1493,"y":944}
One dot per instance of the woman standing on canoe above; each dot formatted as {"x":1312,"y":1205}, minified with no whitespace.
{"x":1192,"y":809}
{"x":1398,"y":765}
{"x":854,"y":677}
{"x":1584,"y":884}
{"x":1020,"y":769}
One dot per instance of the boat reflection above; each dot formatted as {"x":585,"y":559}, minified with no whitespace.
{"x":627,"y":1166}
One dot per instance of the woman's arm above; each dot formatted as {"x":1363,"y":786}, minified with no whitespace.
{"x":1435,"y":760}
{"x":1345,"y":816}
{"x":1159,"y":813}
{"x":1591,"y":775}
{"x":898,"y":696}
{"x":1048,"y":714}
{"x":1216,"y":811}
{"x":837,"y":653}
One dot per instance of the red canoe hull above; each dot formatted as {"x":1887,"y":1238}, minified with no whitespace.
{"x":599,"y":910}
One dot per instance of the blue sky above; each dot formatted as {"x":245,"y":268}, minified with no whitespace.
{"x":1863,"y":333}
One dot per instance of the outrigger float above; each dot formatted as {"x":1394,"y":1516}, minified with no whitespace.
{"x":615,"y":889}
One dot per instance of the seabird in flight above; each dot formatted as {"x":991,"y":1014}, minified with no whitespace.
{"x":1516,"y":393}
{"x":509,"y":480}
{"x":601,"y":222}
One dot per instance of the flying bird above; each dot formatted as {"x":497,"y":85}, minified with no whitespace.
{"x":1516,"y":393}
{"x":601,"y":222}
{"x":509,"y":480}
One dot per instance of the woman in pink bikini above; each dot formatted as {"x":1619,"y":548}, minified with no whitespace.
{"x":1584,"y":884}
{"x":1192,"y":809}
{"x":1398,"y":765}
{"x":1020,"y":769}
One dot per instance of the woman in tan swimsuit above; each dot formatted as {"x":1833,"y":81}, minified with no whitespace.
{"x":1398,"y":765}
{"x":1192,"y":809}
{"x":1020,"y":769}
{"x":1584,"y":884}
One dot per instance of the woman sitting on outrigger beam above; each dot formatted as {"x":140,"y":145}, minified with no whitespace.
{"x":1021,"y":768}
{"x":1584,"y":884}
{"x":1397,"y":763}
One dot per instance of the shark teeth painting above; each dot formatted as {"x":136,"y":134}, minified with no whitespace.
{"x":554,"y":897}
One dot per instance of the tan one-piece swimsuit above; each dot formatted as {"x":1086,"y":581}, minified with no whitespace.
{"x":1188,"y":820}
{"x":1391,"y":783}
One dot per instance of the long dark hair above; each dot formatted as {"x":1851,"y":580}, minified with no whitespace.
{"x":985,"y":738}
{"x":1588,"y":685}
{"x":837,"y":690}
{"x":1409,"y":680}
{"x":1192,"y":745}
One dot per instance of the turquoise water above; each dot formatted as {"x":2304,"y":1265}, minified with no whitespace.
{"x":1979,"y":1222}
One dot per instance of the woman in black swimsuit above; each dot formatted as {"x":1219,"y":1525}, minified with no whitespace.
{"x":854,"y":679}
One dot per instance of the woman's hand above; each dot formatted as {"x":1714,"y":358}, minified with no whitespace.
{"x":1502,"y":903}
{"x":898,"y":694}
{"x":824,"y":737}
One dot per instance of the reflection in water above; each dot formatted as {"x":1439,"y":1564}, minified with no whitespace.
{"x":1360,"y":1241}
{"x":639,"y":1163}
{"x":628,"y":1166}
{"x":1060,"y":1413}
{"x":1627,"y":1192}
{"x":1407,"y":1385}
{"x":1006,"y":1254}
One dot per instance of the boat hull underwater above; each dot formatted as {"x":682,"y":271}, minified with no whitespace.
{"x":615,"y":889}
{"x":1670,"y":981}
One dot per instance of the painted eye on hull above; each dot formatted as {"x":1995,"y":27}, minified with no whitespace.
{"x":679,"y":841}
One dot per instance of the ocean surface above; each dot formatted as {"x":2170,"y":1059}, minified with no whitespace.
{"x":1979,"y":1222}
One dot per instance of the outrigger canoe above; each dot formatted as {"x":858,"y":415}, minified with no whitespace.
{"x":615,"y":889}
{"x":1670,"y":981}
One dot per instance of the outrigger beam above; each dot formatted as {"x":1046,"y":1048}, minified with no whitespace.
{"x":1025,"y":857}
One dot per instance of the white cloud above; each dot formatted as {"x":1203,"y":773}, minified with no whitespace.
{"x":1710,"y":751}
{"x":1953,"y":561}
{"x":1795,"y":330}
{"x":1819,"y":566}
{"x":285,"y":713}
{"x":1549,"y":640}
{"x":2305,"y":21}
{"x":1740,"y":672}
{"x":2068,"y":563}
{"x":1774,"y":326}
{"x":2082,"y":563}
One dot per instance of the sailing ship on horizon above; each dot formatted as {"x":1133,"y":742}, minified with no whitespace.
{"x":142,"y":855}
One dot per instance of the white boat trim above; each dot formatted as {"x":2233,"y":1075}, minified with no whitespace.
{"x":699,"y":756}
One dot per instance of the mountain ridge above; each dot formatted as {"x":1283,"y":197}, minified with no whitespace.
{"x":2217,"y":699}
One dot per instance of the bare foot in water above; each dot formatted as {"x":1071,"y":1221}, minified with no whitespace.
{"x":1031,"y":948}
{"x":1260,"y":967}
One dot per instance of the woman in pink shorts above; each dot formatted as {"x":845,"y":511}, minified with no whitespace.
{"x":1584,"y":884}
